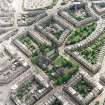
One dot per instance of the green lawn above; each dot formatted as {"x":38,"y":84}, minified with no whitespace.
{"x":28,"y":41}
{"x":83,"y":88}
{"x":62,"y":70}
{"x":91,"y":53}
{"x":43,"y":50}
{"x":35,"y":57}
{"x":80,"y":34}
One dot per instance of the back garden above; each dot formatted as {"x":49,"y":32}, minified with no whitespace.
{"x":80,"y":34}
{"x":57,"y":68}
{"x":83,"y":88}
{"x":78,"y":13}
{"x":91,"y":53}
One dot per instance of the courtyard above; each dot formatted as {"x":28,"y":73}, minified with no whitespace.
{"x":80,"y":34}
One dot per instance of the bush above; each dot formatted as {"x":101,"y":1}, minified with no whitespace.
{"x":70,"y":69}
{"x":80,"y":34}
{"x":93,"y":51}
